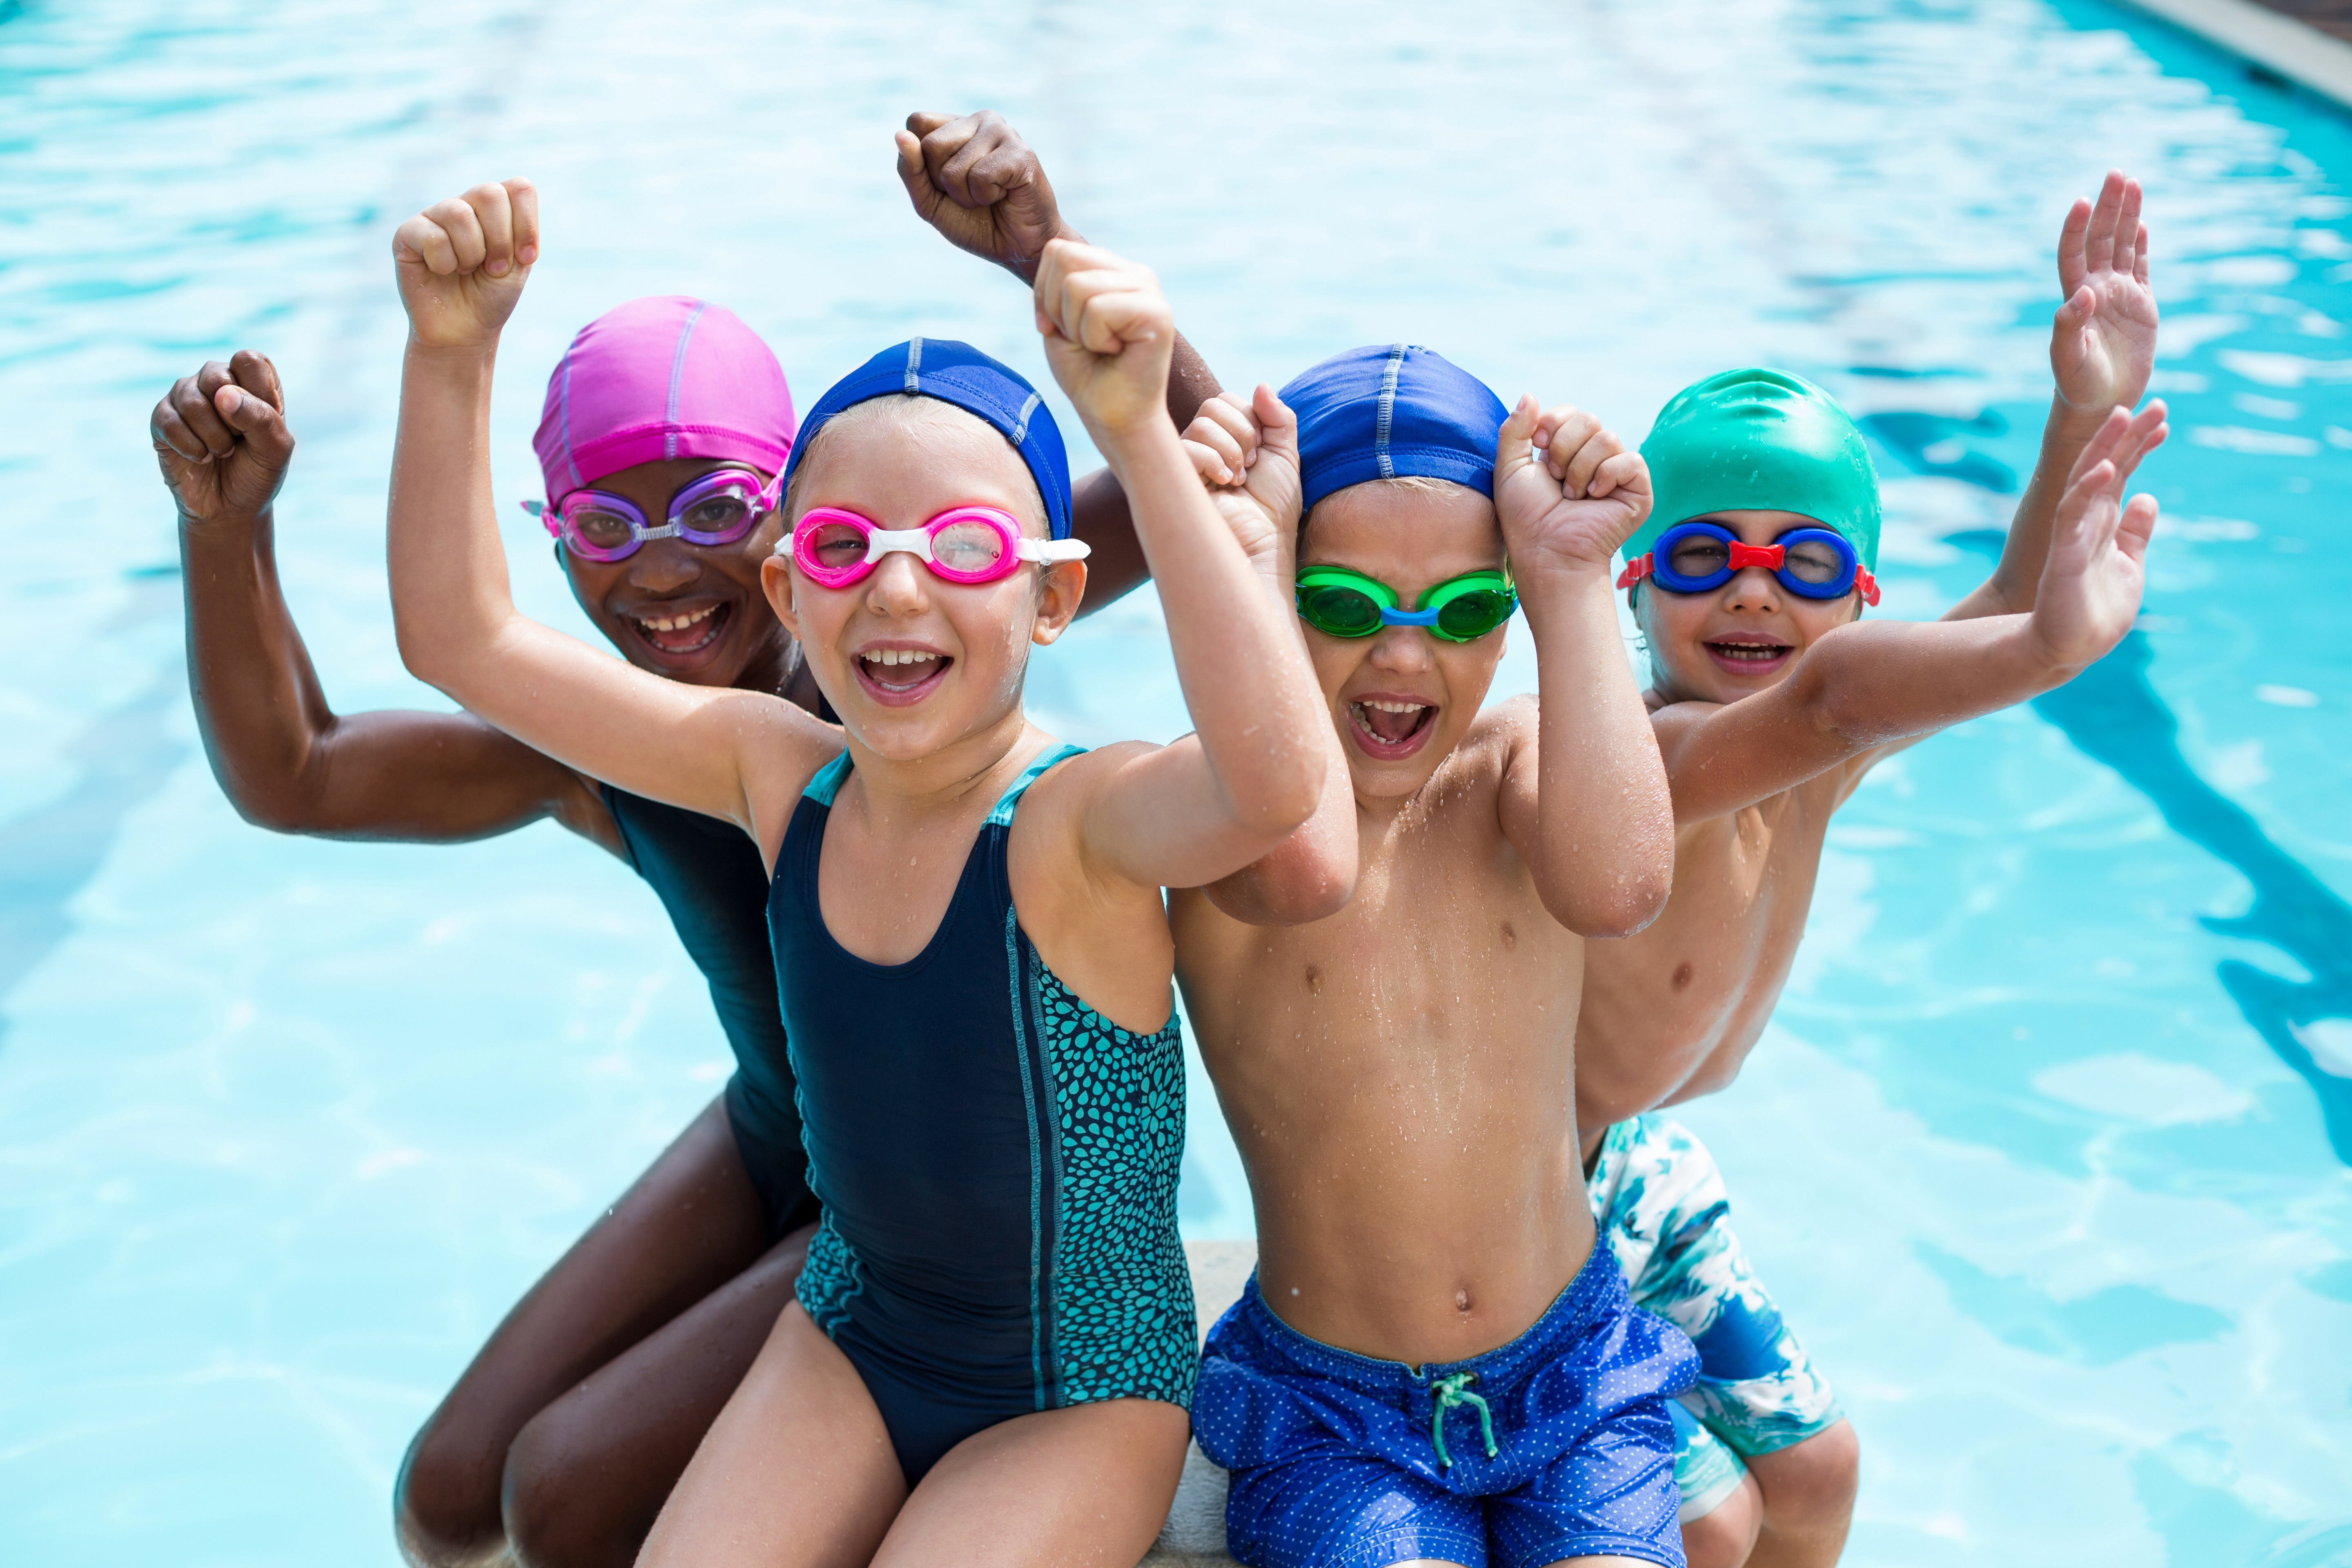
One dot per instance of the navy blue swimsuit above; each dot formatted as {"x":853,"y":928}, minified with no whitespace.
{"x":707,"y":875}
{"x":997,"y":1162}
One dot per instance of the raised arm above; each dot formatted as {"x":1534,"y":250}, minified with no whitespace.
{"x":285,"y":759}
{"x":1184,"y":814}
{"x":1586,"y":804}
{"x":1865,"y":687}
{"x":462,"y":265}
{"x":973,"y":178}
{"x":1246,"y":456}
{"x":2102,"y":352}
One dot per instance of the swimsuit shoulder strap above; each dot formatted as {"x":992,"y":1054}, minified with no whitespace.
{"x":1003,"y":814}
{"x":827,"y":783}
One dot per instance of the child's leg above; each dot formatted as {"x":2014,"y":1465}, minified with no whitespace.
{"x":1089,"y":1484}
{"x":691,"y":1225}
{"x":1809,"y":1489}
{"x":797,"y":1471}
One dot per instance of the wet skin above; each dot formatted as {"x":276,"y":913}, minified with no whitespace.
{"x":1406,"y":1134}
{"x":1700,"y":984}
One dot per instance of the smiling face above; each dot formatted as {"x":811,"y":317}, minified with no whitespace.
{"x":1738,"y":639}
{"x":1402,"y":699}
{"x":912,"y":662}
{"x":691,"y":612}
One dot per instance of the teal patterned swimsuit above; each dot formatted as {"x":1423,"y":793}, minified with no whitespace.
{"x":997,"y":1162}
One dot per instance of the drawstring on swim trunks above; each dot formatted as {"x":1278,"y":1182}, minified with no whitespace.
{"x":1452,"y":1392}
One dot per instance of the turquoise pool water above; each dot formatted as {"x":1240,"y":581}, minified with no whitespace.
{"x":2046,"y":1155}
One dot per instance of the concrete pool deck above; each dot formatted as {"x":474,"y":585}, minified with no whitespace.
{"x":2308,"y":42}
{"x":1194,"y":1535}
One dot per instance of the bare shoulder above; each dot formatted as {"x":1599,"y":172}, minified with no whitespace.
{"x":1500,"y":733}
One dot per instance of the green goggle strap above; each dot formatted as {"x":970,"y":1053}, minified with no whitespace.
{"x":1315,"y":581}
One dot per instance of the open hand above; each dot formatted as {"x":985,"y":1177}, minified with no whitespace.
{"x":462,"y":264}
{"x":221,"y":440}
{"x":975,"y":181}
{"x":2090,"y":585}
{"x":1247,"y":457}
{"x":2103,"y":341}
{"x":1109,"y":335}
{"x":1567,"y":492}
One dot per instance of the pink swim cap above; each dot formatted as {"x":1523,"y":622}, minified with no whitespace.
{"x":659,"y":378}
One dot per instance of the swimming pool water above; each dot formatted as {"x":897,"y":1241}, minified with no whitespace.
{"x":2046,"y":1152}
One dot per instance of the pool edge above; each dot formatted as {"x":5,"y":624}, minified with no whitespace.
{"x":2273,"y":41}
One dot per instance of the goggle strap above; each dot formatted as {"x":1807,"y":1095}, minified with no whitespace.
{"x":1052,"y":550}
{"x":1866,"y":583}
{"x":1634,"y":571}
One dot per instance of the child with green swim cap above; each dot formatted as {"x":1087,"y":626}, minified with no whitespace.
{"x":1770,"y":699}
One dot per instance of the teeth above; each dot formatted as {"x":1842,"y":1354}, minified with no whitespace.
{"x":1393,"y":707}
{"x":677,"y":623}
{"x":899,"y":655}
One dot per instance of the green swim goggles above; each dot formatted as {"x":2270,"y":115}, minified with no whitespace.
{"x":1344,"y":604}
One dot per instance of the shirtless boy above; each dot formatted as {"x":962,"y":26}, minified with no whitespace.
{"x":1772,"y":699}
{"x":1434,"y":1362}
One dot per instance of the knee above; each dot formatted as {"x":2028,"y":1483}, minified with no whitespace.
{"x":553,"y":1513}
{"x":445,"y":1501}
{"x":1725,"y":1535}
{"x":1814,"y":1481}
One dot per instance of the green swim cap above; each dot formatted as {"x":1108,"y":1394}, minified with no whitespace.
{"x":1759,"y":439}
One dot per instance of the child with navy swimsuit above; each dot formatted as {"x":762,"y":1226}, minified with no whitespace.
{"x":992,"y":1350}
{"x":1434,"y":1361}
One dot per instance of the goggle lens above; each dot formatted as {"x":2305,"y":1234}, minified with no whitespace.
{"x":968,"y":547}
{"x":720,"y":518}
{"x":1340,"y":612}
{"x":1699,"y":556}
{"x":837,"y":546}
{"x":1812,"y":560}
{"x":598,"y":528}
{"x":1469,"y":616}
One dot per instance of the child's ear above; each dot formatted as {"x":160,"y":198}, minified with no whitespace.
{"x":1060,"y":588}
{"x":776,"y":582}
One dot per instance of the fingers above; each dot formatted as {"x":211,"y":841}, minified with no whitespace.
{"x":258,"y":421}
{"x":1565,"y":433}
{"x":977,"y":159}
{"x":2099,"y":241}
{"x":477,"y":230}
{"x":2140,"y":256}
{"x":522,"y":200}
{"x":2135,"y":526}
{"x":1101,"y":301}
{"x":913,"y":173}
{"x":256,"y":373}
{"x":1228,"y":435}
{"x":2077,"y":310}
{"x":922,"y":122}
{"x":1278,"y":427}
{"x":2143,"y":433}
{"x":2102,"y":446}
{"x":1514,"y":443}
{"x":2127,"y":229}
{"x":2071,"y":271}
{"x":1623,"y":475}
{"x":186,"y":421}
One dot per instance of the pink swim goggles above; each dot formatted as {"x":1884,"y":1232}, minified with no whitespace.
{"x":717,"y":508}
{"x":836,"y":549}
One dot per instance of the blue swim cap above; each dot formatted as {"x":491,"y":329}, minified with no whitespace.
{"x":960,"y":374}
{"x":1380,"y":413}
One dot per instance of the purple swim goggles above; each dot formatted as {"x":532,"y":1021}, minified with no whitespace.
{"x":717,"y":508}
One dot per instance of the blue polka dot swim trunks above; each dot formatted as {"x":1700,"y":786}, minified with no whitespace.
{"x":1556,"y":1444}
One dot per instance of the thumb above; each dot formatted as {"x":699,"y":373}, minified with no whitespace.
{"x":1513,"y":450}
{"x":2138,"y":523}
{"x":926,"y":195}
{"x":1277,"y":425}
{"x":2079,"y":308}
{"x":267,"y":438}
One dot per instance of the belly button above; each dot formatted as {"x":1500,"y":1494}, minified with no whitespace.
{"x":1462,"y":1300}
{"x":1314,"y":981}
{"x":1682,"y":974}
{"x":1510,"y":937}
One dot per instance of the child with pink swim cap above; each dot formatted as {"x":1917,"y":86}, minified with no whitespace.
{"x":562,"y":1438}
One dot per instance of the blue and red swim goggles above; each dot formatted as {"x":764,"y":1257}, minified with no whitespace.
{"x":1700,"y":557}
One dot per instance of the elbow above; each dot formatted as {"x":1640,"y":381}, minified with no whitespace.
{"x":1619,"y":912}
{"x":1284,"y":800}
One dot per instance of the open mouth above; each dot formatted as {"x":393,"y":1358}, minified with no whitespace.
{"x":686,"y":633}
{"x":1390,"y":729}
{"x":1743,"y":655}
{"x":896,"y":677}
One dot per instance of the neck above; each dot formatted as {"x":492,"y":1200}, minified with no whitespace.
{"x":906,"y":791}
